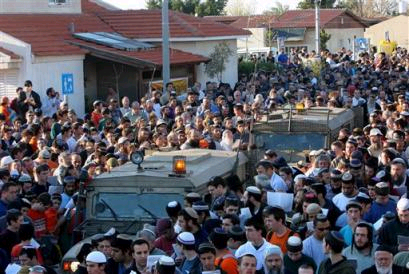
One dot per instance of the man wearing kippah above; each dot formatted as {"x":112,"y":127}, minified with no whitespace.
{"x":390,"y":232}
{"x":335,"y":263}
{"x":384,"y":263}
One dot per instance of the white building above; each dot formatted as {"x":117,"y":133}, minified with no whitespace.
{"x":41,"y":41}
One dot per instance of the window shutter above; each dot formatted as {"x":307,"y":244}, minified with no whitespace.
{"x":8,"y":82}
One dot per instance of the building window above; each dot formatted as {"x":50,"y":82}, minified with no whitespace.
{"x":58,"y":2}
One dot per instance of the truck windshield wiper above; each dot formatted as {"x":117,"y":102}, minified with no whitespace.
{"x":110,"y":209}
{"x":149,"y":212}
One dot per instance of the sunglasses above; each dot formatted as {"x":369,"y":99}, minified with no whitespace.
{"x":324,"y":228}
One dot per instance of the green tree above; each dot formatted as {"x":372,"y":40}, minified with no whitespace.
{"x":279,"y":9}
{"x":220,"y":56}
{"x":310,"y":4}
{"x":192,"y":7}
{"x":324,"y":38}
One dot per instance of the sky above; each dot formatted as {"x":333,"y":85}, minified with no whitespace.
{"x":261,"y":5}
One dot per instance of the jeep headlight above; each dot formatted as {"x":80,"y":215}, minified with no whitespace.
{"x":70,"y":266}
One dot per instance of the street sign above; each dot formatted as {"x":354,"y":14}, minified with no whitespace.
{"x":280,"y":42}
{"x":67,"y":80}
{"x":361,"y":44}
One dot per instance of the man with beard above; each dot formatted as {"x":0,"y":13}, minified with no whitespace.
{"x":188,"y":221}
{"x":349,"y":191}
{"x":252,"y":199}
{"x":382,"y":204}
{"x":335,"y":263}
{"x":400,"y":180}
{"x":334,"y":186}
{"x":69,"y":190}
{"x":273,"y":260}
{"x":227,"y":140}
{"x":375,"y":136}
{"x":383,"y":263}
{"x":192,"y":141}
{"x":362,"y":249}
{"x":388,"y":233}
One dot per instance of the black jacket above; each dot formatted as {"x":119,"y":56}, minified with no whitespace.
{"x":341,"y":267}
{"x":395,"y":270}
{"x":24,"y":107}
{"x":388,"y":234}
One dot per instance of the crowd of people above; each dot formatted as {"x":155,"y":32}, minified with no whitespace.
{"x":350,"y":212}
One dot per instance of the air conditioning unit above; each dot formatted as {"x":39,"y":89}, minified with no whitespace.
{"x":58,"y":2}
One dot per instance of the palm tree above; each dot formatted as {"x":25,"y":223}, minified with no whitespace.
{"x":279,"y":8}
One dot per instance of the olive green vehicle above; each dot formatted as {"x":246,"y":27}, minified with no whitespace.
{"x":292,"y":133}
{"x":131,"y":195}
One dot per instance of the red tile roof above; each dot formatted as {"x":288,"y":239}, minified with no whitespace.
{"x":88,"y":6}
{"x":145,"y":24}
{"x":306,"y":18}
{"x":46,"y":33}
{"x":152,"y":56}
{"x":12,"y":55}
{"x":243,"y":22}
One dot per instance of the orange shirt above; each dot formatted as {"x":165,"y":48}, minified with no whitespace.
{"x":15,"y":252}
{"x":281,"y":240}
{"x":227,"y":263}
{"x":51,"y":218}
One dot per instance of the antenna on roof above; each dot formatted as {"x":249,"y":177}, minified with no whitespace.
{"x":71,"y":27}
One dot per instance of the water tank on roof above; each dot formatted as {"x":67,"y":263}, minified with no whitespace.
{"x":403,"y":7}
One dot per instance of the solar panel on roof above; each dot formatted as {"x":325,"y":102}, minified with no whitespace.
{"x":112,"y":40}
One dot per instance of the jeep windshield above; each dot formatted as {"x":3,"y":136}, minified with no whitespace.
{"x":132,"y":205}
{"x":290,"y":141}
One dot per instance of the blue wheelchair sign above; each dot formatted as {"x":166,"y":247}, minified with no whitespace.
{"x":361,"y":44}
{"x":67,"y":80}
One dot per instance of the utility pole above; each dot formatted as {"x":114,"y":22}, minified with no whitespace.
{"x":317,"y":26}
{"x":165,"y":44}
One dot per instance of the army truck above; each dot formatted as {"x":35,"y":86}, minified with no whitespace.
{"x":294,"y":132}
{"x":133,"y":194}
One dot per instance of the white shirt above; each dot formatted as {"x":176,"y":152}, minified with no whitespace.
{"x":313,"y":247}
{"x":341,"y":201}
{"x":277,"y":183}
{"x":258,"y":253}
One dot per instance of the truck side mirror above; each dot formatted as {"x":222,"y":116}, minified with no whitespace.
{"x":100,"y":207}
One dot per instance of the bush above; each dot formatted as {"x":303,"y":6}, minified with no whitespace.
{"x":247,"y":67}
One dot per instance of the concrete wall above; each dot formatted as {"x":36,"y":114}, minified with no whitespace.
{"x":47,"y":71}
{"x":343,"y":38}
{"x":255,"y":40}
{"x":21,"y":48}
{"x":398,"y":28}
{"x":339,"y":38}
{"x":308,"y":42}
{"x":205,"y":48}
{"x":39,"y":6}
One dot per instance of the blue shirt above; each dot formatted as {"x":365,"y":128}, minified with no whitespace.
{"x":3,"y":208}
{"x":377,"y":210}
